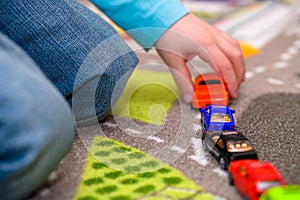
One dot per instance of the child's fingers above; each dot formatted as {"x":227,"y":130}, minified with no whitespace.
{"x":183,"y":80}
{"x":231,"y":48}
{"x":220,"y":61}
{"x":180,"y":73}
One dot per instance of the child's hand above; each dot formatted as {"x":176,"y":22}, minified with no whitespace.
{"x":191,"y":36}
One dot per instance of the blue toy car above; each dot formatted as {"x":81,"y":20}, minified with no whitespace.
{"x":217,"y":118}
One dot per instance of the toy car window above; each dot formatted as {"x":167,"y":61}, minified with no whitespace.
{"x":215,"y":138}
{"x":218,"y":117}
{"x":263,"y":185}
{"x":209,"y":82}
{"x":230,"y":133}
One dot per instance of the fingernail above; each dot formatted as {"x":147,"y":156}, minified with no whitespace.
{"x":187,"y":98}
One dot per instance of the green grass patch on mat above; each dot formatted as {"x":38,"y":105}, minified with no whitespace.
{"x":114,"y":171}
{"x":147,"y":97}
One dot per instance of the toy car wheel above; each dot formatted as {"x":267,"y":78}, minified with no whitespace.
{"x":202,"y":123}
{"x":230,"y":180}
{"x":246,"y":198}
{"x":223,"y":163}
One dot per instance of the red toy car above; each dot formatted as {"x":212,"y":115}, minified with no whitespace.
{"x":209,"y":89}
{"x":253,"y":177}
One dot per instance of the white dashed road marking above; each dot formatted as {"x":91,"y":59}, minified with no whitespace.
{"x":199,"y":155}
{"x":156,"y":139}
{"x":249,"y":75}
{"x":220,"y":171}
{"x":285,"y":56}
{"x":177,"y":149}
{"x":133,"y":131}
{"x":260,"y":69}
{"x":279,"y":65}
{"x":275,"y":81}
{"x":292,"y":50}
{"x":109,"y":124}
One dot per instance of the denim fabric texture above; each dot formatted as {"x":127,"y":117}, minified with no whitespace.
{"x":60,"y":36}
{"x":52,"y":51}
{"x":36,"y":123}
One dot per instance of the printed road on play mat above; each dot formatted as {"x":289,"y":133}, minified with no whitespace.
{"x":150,"y":148}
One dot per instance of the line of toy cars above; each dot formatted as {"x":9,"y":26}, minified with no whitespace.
{"x":231,"y":148}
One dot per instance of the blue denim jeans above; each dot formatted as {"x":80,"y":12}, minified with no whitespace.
{"x":36,"y":124}
{"x":78,"y":51}
{"x":87,"y":64}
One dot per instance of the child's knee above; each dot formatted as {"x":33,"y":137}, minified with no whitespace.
{"x":37,"y":130}
{"x":32,"y":147}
